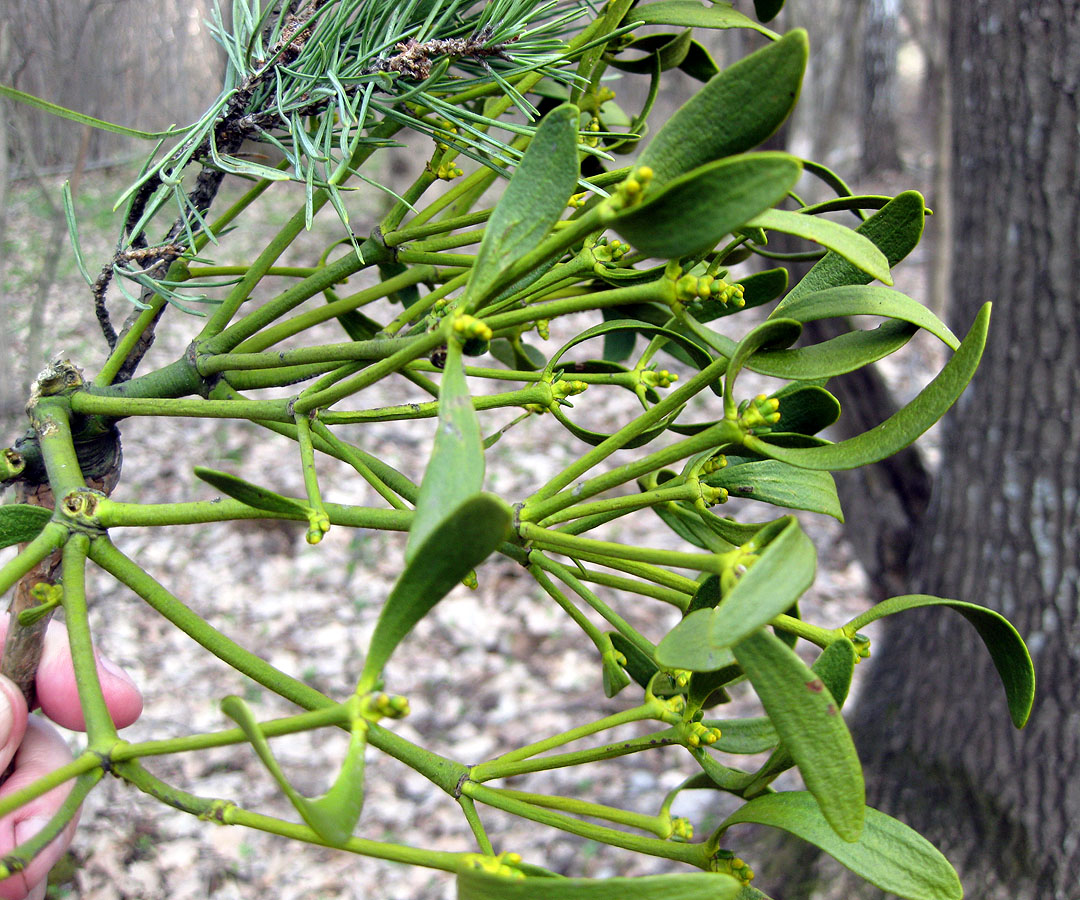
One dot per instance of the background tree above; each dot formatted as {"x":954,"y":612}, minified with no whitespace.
{"x":1002,"y":527}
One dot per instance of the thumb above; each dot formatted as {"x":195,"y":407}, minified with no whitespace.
{"x":13,"y":716}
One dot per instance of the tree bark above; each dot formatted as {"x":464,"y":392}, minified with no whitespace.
{"x":1003,"y":528}
{"x":879,"y":107}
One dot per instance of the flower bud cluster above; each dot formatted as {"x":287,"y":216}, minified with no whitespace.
{"x":629,"y":192}
{"x":448,"y":171}
{"x":727,"y":862}
{"x":681,"y":829}
{"x":660,"y":379}
{"x":695,"y":734}
{"x":466,"y":326}
{"x":760,"y":413}
{"x":503,"y":865}
{"x":705,"y":289}
{"x":605,"y":251}
{"x":591,"y":129}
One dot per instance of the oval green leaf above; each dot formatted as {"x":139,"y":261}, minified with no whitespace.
{"x":852,"y":246}
{"x":455,"y":471}
{"x":868,"y":300}
{"x":691,"y":14}
{"x":888,"y":854}
{"x":904,"y":426}
{"x":771,"y":481}
{"x":1007,"y":648}
{"x":896,"y":229}
{"x":457,"y":544}
{"x":735,"y":112}
{"x":775,"y":581}
{"x":252,"y":494}
{"x":21,"y":522}
{"x":532,"y":203}
{"x":334,"y":815}
{"x":809,"y":723}
{"x":717,"y":198}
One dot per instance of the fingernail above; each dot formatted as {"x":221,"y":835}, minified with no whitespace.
{"x":113,"y":669}
{"x":27,"y":828}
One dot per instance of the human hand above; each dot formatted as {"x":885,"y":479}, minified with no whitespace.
{"x":37,"y":749}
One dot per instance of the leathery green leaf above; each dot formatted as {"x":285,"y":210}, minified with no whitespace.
{"x":770,"y":334}
{"x":895,"y":229}
{"x":695,"y":210}
{"x":901,"y":428}
{"x":888,"y":854}
{"x":734,"y":112}
{"x":767,"y":10}
{"x":1007,"y":648}
{"x":772,"y":583}
{"x":533,"y":201}
{"x":835,"y":666}
{"x":692,"y":14}
{"x":21,"y":522}
{"x":455,"y":471}
{"x":808,"y":720}
{"x":868,"y":300}
{"x":849,"y":244}
{"x":476,"y":884}
{"x":334,"y":815}
{"x":777,"y":483}
{"x":838,"y":355}
{"x":457,"y":544}
{"x":252,"y":494}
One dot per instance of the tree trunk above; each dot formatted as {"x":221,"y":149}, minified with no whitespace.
{"x":879,"y":108}
{"x":1003,"y":528}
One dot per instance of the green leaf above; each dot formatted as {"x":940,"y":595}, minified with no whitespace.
{"x":698,"y":63}
{"x":476,"y":884}
{"x":532,"y":203}
{"x":851,"y":245}
{"x":895,"y":229}
{"x":809,"y":723}
{"x":459,"y":542}
{"x":888,"y":854}
{"x":334,"y":815}
{"x":638,"y":665}
{"x":744,"y":736}
{"x":777,"y":483}
{"x":776,"y":580}
{"x":735,"y":112}
{"x":770,"y":334}
{"x":901,"y":428}
{"x":805,"y":409}
{"x":836,"y":356}
{"x":692,"y":14}
{"x":767,"y":10}
{"x":252,"y":494}
{"x":455,"y":471}
{"x":835,"y":666}
{"x":1007,"y":649}
{"x":21,"y":523}
{"x":669,"y":50}
{"x":868,"y":300}
{"x":717,"y":198}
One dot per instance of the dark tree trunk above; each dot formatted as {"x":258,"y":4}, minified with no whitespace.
{"x":1003,"y":528}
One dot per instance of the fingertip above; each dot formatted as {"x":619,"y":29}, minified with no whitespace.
{"x":13,"y":715}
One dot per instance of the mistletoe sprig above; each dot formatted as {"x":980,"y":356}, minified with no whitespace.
{"x":653,"y":251}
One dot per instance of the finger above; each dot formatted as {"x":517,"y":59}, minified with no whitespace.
{"x":58,"y":693}
{"x":12,"y":720}
{"x":42,"y":751}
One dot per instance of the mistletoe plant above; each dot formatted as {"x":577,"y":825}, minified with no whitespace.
{"x":515,"y":89}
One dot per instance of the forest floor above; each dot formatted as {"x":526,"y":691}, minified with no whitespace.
{"x":487,"y":671}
